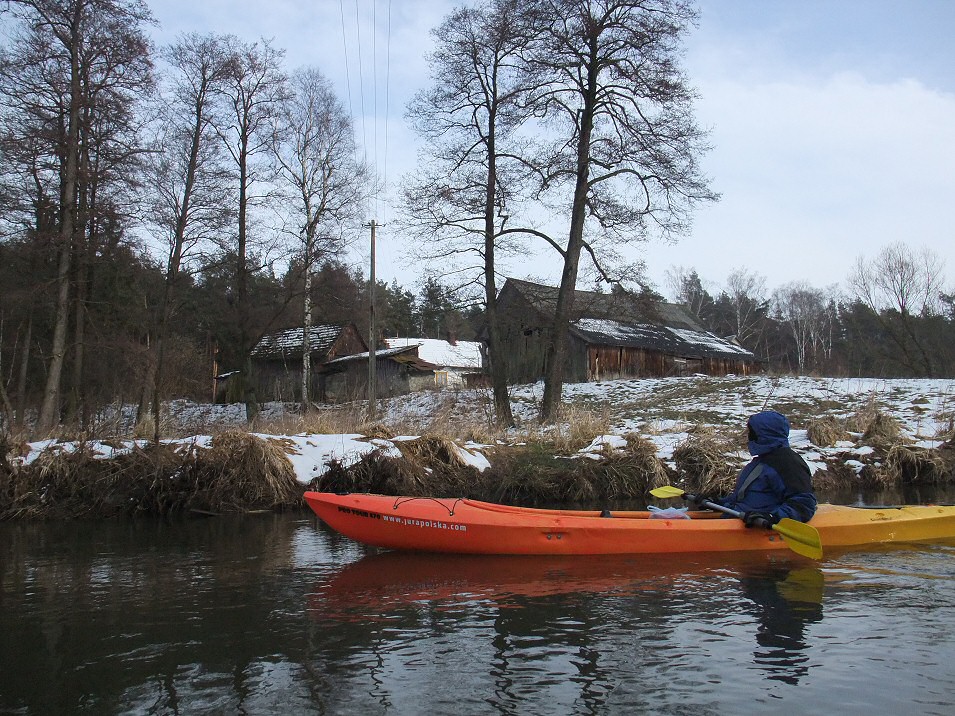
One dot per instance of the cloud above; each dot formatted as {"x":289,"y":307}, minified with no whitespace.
{"x":817,"y":172}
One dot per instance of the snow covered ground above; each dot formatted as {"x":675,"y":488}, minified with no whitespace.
{"x":662,"y":410}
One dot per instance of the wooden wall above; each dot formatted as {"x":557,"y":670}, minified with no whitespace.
{"x":393,"y":378}
{"x":608,"y":363}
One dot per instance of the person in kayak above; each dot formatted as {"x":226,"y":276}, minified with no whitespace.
{"x":777,"y":482}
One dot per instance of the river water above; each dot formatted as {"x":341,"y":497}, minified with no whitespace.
{"x":274,"y":614}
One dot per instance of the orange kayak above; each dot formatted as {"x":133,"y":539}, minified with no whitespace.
{"x":462,"y":526}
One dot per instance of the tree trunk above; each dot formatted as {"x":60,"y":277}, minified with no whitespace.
{"x":83,"y":267}
{"x":7,"y":410}
{"x":496,"y":358}
{"x":75,"y":408}
{"x":24,"y":371}
{"x":242,"y":290}
{"x":146,"y":406}
{"x":175,"y":261}
{"x":306,"y":338}
{"x":554,"y":368}
{"x":49,"y":411}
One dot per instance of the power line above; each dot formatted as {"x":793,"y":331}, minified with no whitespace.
{"x":387,"y":100}
{"x":374,"y":86}
{"x":370,"y":150}
{"x":361,"y":83}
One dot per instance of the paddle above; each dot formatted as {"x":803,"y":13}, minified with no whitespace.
{"x":801,"y":538}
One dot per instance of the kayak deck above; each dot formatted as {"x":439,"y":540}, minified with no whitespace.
{"x":458,"y":525}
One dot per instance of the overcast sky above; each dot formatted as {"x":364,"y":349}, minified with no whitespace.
{"x":832,"y":121}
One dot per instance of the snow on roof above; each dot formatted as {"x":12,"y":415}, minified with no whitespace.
{"x":710,"y":341}
{"x":676,"y":341}
{"x":462,"y":354}
{"x":617,"y":330}
{"x":289,"y":341}
{"x":364,"y":356}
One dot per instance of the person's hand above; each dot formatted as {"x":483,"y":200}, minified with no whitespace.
{"x":760,"y":519}
{"x":696,"y":501}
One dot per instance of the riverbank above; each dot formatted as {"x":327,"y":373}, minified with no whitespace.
{"x":616,"y":441}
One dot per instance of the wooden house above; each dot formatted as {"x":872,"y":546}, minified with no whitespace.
{"x":277,"y":359}
{"x":397,"y":371}
{"x":458,"y":363}
{"x":616,"y":335}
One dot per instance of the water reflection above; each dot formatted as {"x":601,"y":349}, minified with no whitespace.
{"x":147,"y":615}
{"x":566,"y":620}
{"x":785,"y":600}
{"x":279,"y":615}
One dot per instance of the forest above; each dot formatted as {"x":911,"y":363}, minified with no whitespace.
{"x":162,"y":208}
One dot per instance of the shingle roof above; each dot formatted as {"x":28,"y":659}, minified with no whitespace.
{"x":288,"y":344}
{"x":666,"y":339}
{"x":631,"y":320}
{"x":624,"y":307}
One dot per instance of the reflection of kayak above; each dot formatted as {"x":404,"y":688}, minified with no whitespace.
{"x":387,"y":578}
{"x":473,"y":527}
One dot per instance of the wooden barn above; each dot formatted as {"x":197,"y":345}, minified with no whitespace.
{"x":398,"y":371}
{"x":277,"y":359}
{"x":616,"y":335}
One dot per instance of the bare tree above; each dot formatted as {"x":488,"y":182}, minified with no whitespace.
{"x":86,"y":46}
{"x":901,"y":285}
{"x":469,"y":115}
{"x":187,"y":183}
{"x":747,"y":296}
{"x":116,"y":78}
{"x":32,"y":79}
{"x":323,"y":179}
{"x":626,"y":141}
{"x":803,"y":310}
{"x":255,"y":90}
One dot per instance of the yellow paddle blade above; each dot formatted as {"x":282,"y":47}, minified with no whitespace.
{"x":667,"y":491}
{"x":801,"y":538}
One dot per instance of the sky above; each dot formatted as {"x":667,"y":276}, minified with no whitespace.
{"x":832,"y":124}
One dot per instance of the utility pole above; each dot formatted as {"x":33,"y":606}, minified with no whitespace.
{"x":372,"y":343}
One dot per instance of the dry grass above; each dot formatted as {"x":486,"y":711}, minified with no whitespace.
{"x":907,"y":464}
{"x":837,"y":477}
{"x":826,"y":431}
{"x":883,"y":431}
{"x":241,"y":471}
{"x":863,"y":417}
{"x":703,"y":463}
{"x":238,"y":473}
{"x":531,"y":465}
{"x":530,"y":474}
{"x":345,"y":418}
{"x":574,"y":429}
{"x":643,"y":453}
{"x":946,"y":430}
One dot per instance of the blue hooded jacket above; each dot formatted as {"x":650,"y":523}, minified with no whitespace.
{"x":783,"y":484}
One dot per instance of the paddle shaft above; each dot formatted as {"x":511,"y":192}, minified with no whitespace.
{"x":714,"y":506}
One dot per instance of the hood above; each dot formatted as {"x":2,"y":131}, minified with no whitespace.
{"x":768,"y":430}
